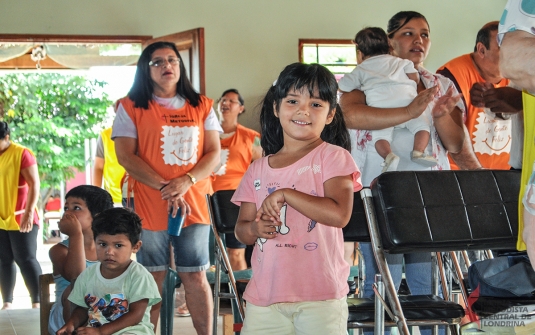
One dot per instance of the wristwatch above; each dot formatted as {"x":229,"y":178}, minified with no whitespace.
{"x":192,"y":177}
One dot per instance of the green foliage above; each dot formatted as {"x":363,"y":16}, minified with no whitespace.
{"x":52,"y":114}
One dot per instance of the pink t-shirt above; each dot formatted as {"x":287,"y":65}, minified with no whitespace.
{"x":305,"y":262}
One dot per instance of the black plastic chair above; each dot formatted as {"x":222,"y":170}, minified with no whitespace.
{"x":437,"y":211}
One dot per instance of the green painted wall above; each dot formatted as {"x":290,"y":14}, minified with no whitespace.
{"x":248,"y":42}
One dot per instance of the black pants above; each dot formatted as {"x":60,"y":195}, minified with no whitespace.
{"x":20,"y":248}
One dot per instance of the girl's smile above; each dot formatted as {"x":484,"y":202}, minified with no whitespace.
{"x":302,"y":116}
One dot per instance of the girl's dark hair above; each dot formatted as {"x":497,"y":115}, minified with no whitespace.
{"x":143,"y":87}
{"x":233,"y":90}
{"x":4,"y":129}
{"x":96,"y":199}
{"x":118,"y":221}
{"x":372,"y":41}
{"x":299,"y":76}
{"x":400,"y":19}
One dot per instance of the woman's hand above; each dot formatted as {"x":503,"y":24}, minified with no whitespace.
{"x":445,"y":104}
{"x":26,"y":222}
{"x":173,"y":204}
{"x":69,"y":224}
{"x":422,"y":100}
{"x":271,"y":206}
{"x":175,"y":187}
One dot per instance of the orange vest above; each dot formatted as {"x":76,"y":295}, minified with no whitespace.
{"x":491,"y":137}
{"x":236,"y":156}
{"x":171,"y":143}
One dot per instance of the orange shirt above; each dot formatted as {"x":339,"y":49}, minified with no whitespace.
{"x":236,"y":156}
{"x":491,"y":136}
{"x":171,"y":143}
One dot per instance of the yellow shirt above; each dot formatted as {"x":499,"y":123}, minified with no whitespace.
{"x":9,"y":183}
{"x":113,"y":172}
{"x":528,"y":158}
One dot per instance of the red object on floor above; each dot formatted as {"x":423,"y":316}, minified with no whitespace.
{"x":472,"y":298}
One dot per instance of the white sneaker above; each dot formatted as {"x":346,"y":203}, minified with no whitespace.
{"x":390,"y":163}
{"x":423,"y":159}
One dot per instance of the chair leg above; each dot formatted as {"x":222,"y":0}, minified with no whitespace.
{"x":378,"y":252}
{"x":168,"y":303}
{"x":217,"y":287}
{"x":379,"y":325}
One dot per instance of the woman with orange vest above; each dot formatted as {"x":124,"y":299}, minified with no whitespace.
{"x":19,"y":222}
{"x":167,"y":138}
{"x":239,"y":147}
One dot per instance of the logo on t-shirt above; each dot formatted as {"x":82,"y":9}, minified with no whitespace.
{"x":491,"y":136}
{"x":105,"y":309}
{"x":180,"y":145}
{"x":221,"y":169}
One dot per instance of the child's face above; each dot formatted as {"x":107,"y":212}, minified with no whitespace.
{"x":78,"y":208}
{"x":113,"y":252}
{"x":302,"y":116}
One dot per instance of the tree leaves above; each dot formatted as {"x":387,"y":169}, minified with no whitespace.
{"x":52,"y":114}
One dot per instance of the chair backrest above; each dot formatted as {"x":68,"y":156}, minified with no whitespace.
{"x":225,"y":213}
{"x":357,"y":229}
{"x":447,"y":210}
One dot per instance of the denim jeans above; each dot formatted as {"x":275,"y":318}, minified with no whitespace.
{"x":418,"y":273}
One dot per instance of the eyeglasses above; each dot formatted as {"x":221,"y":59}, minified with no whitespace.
{"x":160,"y":62}
{"x":223,"y":100}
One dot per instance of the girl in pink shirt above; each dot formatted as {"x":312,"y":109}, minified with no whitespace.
{"x":294,"y":203}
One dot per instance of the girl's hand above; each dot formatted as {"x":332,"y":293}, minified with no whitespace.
{"x":176,"y":187}
{"x":422,"y":100}
{"x":26,"y":222}
{"x":445,"y":104}
{"x":178,"y":202}
{"x":69,"y":224}
{"x":271,"y":205}
{"x":265,"y":226}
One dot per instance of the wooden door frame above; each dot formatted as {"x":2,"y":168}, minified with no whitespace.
{"x":192,"y":40}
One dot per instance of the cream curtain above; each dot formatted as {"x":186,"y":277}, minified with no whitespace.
{"x":9,"y":51}
{"x":79,"y":56}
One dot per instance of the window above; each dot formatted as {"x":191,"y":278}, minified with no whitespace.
{"x":339,"y":56}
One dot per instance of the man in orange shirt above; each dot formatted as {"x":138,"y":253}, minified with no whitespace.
{"x":489,"y":130}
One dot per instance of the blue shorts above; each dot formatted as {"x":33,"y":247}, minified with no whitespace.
{"x":191,"y":249}
{"x":232,"y":242}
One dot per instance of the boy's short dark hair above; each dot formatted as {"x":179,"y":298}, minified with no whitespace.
{"x":117,"y":221}
{"x":372,"y":41}
{"x":96,"y":199}
{"x":483,"y":35}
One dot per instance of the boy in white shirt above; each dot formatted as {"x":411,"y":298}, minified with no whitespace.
{"x":116,"y":294}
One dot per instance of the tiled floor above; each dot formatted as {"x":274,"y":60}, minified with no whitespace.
{"x":22,"y":320}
